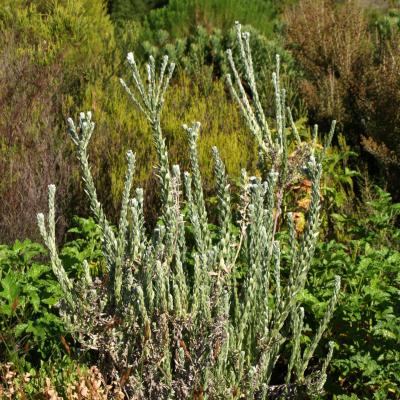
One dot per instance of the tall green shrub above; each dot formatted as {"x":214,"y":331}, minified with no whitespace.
{"x":50,"y":52}
{"x":206,"y":317}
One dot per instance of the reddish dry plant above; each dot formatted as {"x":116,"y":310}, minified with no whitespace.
{"x":333,"y":47}
{"x":351,"y":72}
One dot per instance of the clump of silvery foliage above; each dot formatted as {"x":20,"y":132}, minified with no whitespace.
{"x":208,"y":317}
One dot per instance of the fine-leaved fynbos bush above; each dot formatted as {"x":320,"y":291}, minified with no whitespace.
{"x":187,"y":311}
{"x":49,"y":52}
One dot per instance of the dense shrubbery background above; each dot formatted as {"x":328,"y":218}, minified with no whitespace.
{"x":340,"y":61}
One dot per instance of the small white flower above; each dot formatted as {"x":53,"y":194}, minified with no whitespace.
{"x":130,"y":58}
{"x":71,"y":123}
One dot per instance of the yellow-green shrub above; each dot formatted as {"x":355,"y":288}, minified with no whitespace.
{"x":120,"y":127}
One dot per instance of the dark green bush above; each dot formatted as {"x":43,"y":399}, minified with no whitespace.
{"x":181,"y":17}
{"x":123,"y":10}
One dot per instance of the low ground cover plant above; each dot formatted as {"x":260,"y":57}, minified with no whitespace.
{"x":29,"y":328}
{"x":366,"y":322}
{"x":187,"y":311}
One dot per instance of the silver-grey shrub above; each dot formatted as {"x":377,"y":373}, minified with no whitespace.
{"x":208,"y":317}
